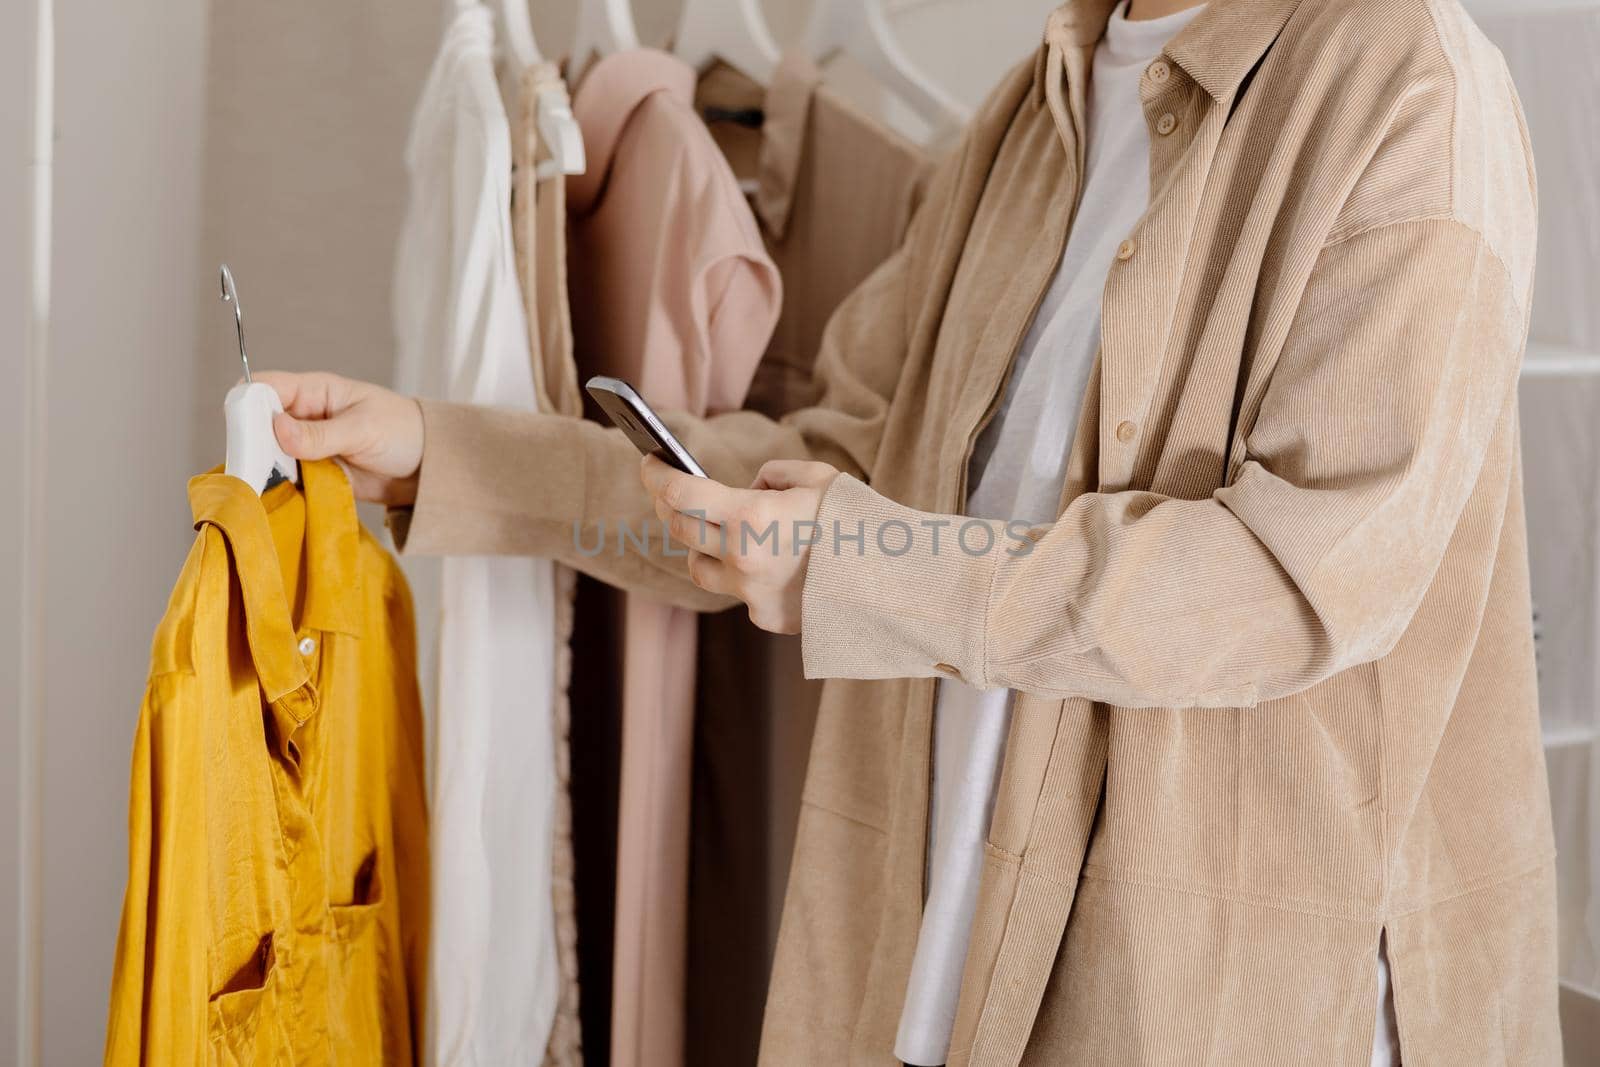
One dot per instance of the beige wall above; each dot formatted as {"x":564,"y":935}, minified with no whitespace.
{"x":306,"y":124}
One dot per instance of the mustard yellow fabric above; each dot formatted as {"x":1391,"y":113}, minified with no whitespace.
{"x":276,"y":909}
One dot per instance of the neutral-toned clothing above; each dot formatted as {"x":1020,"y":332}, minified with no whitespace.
{"x":462,"y":335}
{"x":834,"y":189}
{"x":672,"y":291}
{"x":1017,"y":470}
{"x":1275,"y":652}
{"x":277,"y":900}
{"x":539,"y":235}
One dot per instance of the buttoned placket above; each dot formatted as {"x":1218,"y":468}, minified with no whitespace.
{"x":310,"y":647}
{"x":1142,"y":285}
{"x":1053,"y":833}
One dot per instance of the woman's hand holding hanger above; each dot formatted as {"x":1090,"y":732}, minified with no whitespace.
{"x":753,"y":543}
{"x":375,"y":432}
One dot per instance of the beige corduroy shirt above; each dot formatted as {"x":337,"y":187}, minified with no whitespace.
{"x":1276,"y":651}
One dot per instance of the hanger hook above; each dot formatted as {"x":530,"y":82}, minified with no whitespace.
{"x":230,"y":295}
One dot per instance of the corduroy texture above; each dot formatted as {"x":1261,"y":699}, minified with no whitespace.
{"x":1276,"y":654}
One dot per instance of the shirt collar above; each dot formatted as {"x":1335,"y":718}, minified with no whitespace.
{"x":332,"y":580}
{"x":610,"y":92}
{"x":1227,"y":39}
{"x":1217,"y":49}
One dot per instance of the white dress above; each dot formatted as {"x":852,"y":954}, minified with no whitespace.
{"x":462,"y":335}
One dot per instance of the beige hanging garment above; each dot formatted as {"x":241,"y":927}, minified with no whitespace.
{"x":834,"y":189}
{"x":539,"y":230}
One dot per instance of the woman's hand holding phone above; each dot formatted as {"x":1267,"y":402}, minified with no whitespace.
{"x":753,"y":543}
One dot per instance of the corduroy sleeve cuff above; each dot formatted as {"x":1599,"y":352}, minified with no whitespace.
{"x":891,"y":592}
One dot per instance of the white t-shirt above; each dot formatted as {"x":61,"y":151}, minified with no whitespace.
{"x":1017,"y":472}
{"x":1018,"y":468}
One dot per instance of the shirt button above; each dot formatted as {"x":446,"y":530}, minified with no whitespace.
{"x":1166,"y":123}
{"x":1158,"y":71}
{"x":1126,"y":430}
{"x":945,"y":668}
{"x":1126,"y":249}
{"x":307,"y":646}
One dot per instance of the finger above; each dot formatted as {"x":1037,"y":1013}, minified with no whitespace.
{"x":690,"y":529}
{"x":695,"y":533}
{"x":684,"y":492}
{"x":712,"y":574}
{"x":287,"y":385}
{"x":793,"y":474}
{"x":315,"y":395}
{"x":318,"y":438}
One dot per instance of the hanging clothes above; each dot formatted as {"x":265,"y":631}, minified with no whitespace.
{"x":277,"y":898}
{"x":462,"y":335}
{"x":834,"y":189}
{"x":539,"y":233}
{"x":671,"y":290}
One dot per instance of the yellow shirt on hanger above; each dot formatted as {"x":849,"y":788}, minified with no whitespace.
{"x":277,"y":896}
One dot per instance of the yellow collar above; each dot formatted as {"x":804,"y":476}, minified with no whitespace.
{"x":332,"y":577}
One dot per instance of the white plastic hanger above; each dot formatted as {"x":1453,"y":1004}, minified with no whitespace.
{"x":558,"y":128}
{"x":604,"y":27}
{"x":520,"y":41}
{"x":734,"y":31}
{"x":254,"y":455}
{"x":860,"y":29}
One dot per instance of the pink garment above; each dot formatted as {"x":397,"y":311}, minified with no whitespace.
{"x":671,"y":290}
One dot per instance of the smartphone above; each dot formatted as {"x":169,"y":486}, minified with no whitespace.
{"x":644,"y":427}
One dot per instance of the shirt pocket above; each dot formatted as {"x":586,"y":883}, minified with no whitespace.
{"x":357,"y":964}
{"x":242,"y":1015}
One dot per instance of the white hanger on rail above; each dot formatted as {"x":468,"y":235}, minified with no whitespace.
{"x":604,"y":27}
{"x":520,"y":41}
{"x":734,"y":31}
{"x":860,"y":29}
{"x":254,"y":455}
{"x":558,"y":128}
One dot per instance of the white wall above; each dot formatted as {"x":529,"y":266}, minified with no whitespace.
{"x":17,"y":102}
{"x":129,"y":101}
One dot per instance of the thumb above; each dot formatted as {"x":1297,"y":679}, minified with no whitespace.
{"x":783,"y":474}
{"x":314,"y":438}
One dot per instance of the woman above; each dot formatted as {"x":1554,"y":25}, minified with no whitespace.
{"x":1214,"y":322}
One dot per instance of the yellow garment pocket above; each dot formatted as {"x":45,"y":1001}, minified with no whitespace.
{"x":356,"y":970}
{"x":243,"y":1013}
